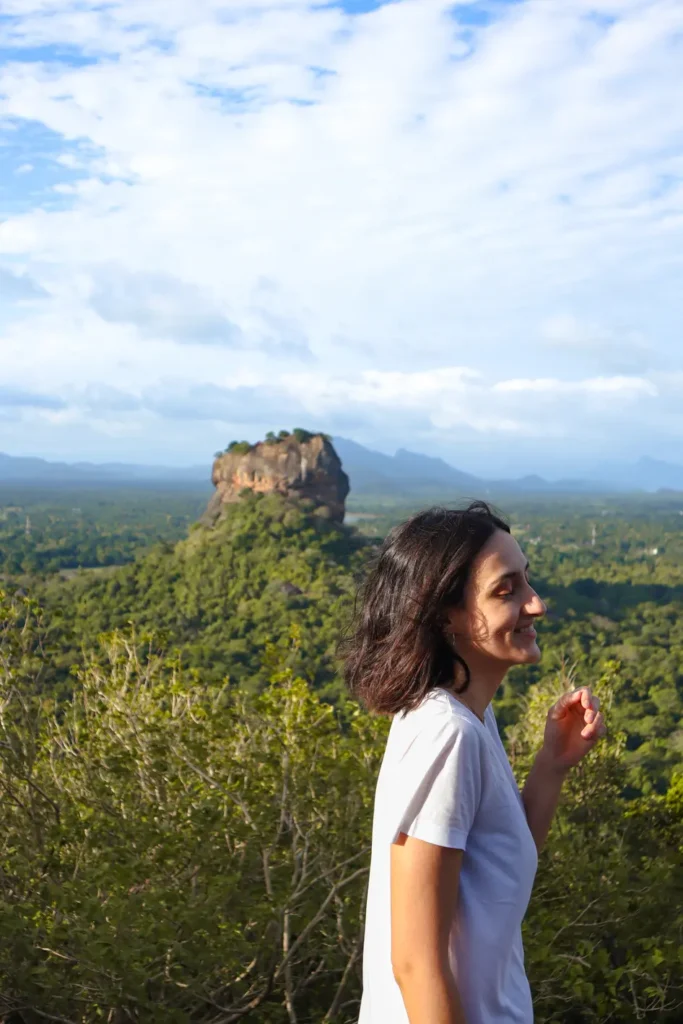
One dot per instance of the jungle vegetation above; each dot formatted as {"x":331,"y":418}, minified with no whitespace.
{"x":187,"y":790}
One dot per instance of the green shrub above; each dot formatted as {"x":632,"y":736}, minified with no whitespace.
{"x":167,"y":847}
{"x":151,"y":844}
{"x":239,"y":448}
{"x":302,"y":435}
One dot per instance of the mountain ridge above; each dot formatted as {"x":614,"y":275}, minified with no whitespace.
{"x":404,"y":474}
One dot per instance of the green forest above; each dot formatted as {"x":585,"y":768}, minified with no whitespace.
{"x":47,"y":531}
{"x":188,"y":791}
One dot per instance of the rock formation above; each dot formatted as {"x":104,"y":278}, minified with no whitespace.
{"x":297,"y":465}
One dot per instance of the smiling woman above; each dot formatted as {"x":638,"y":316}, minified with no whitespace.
{"x":445,"y":612}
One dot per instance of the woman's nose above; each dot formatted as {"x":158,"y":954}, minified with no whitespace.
{"x":536,"y":606}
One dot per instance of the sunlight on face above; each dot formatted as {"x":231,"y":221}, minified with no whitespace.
{"x":496,"y":622}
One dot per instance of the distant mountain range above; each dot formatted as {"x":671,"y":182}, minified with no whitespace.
{"x":646,"y":474}
{"x":33,"y":471}
{"x":405,"y":474}
{"x":408,"y":473}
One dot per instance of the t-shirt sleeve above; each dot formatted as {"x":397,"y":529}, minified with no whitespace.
{"x":440,"y":776}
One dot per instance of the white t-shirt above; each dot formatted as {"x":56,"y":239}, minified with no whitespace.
{"x":446,"y":778}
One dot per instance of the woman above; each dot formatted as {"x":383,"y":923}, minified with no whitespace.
{"x":446,"y":611}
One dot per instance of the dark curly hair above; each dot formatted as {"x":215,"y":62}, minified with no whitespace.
{"x":397,"y":650}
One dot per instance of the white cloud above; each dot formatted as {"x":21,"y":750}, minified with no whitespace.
{"x":18,"y":288}
{"x":615,"y":350}
{"x":425,"y":402}
{"x":16,"y":399}
{"x":626,"y":386}
{"x":506,"y":195}
{"x":454,"y":397}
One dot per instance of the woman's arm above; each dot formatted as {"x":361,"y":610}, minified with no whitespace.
{"x":540,"y":796}
{"x":424,"y":894}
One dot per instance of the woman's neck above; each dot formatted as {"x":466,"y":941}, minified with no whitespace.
{"x":480,"y":691}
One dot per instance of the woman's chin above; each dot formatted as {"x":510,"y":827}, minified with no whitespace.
{"x":527,"y":654}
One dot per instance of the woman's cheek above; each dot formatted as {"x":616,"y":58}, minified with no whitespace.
{"x":507,"y":621}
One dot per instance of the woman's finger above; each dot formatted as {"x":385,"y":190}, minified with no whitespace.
{"x":594,"y":729}
{"x":581,"y":697}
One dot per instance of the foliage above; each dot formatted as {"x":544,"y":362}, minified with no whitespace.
{"x":186,"y":821}
{"x":177,"y":852}
{"x":44,"y":532}
{"x":612,"y":579}
{"x":302,"y":435}
{"x":610,"y":572}
{"x":172,"y":852}
{"x":604,"y":933}
{"x":221,"y":595}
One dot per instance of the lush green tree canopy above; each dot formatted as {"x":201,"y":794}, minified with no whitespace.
{"x":176,"y":851}
{"x":221,"y":595}
{"x":187,"y":792}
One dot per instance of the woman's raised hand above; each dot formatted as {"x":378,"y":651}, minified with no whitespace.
{"x":573,"y":727}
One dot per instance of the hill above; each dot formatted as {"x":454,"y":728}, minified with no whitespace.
{"x":170,"y":848}
{"x":412,"y":475}
{"x":406,"y":474}
{"x":272,"y":553}
{"x":221,"y":595}
{"x":172,"y":844}
{"x":295,"y":464}
{"x":42,"y":472}
{"x":647,"y":473}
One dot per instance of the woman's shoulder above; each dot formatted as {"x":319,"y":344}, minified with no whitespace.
{"x":433,"y":740}
{"x":438,"y":714}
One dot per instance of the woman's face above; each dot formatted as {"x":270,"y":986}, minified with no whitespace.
{"x":496,"y":621}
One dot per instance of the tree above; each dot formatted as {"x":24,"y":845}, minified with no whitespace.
{"x":604,"y":931}
{"x":176,"y":853}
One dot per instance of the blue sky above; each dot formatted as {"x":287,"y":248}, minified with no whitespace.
{"x":453,"y":228}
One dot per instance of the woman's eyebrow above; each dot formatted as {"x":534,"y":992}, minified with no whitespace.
{"x":508,"y":575}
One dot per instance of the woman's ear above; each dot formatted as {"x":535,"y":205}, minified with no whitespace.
{"x":454,"y":623}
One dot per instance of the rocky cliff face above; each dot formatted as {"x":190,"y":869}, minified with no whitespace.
{"x":290,"y":466}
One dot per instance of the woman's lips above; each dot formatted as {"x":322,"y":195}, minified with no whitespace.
{"x":526,"y":631}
